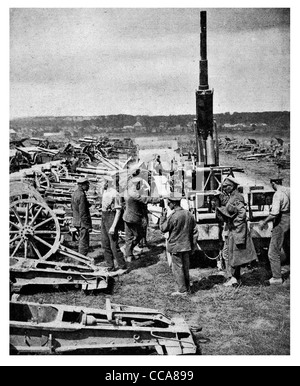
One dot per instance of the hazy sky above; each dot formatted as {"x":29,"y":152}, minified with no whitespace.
{"x":101,"y":61}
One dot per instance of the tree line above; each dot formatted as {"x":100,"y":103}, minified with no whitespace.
{"x":278,"y":119}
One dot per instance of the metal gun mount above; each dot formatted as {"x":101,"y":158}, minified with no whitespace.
{"x":61,"y":329}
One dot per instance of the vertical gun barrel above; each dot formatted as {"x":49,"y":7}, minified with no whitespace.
{"x":204,"y":105}
{"x":203,"y":65}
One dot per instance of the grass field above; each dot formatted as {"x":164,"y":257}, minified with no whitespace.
{"x":251,"y":320}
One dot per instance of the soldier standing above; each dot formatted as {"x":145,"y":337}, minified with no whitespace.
{"x":81,"y":214}
{"x":183,"y":233}
{"x":280,"y":215}
{"x":111,"y":215}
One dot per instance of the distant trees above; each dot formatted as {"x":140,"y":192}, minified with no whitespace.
{"x":277,"y":119}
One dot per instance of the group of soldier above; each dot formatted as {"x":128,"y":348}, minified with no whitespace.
{"x":130,"y":211}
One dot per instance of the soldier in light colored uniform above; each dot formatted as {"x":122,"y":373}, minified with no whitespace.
{"x":280,"y":215}
{"x":111,"y":215}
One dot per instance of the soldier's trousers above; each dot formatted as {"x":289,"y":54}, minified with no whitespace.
{"x":134,"y":234}
{"x":275,"y":252}
{"x":84,"y":240}
{"x":110,"y":243}
{"x":180,"y":269}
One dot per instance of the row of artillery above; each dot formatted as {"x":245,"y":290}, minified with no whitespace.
{"x":27,"y":152}
{"x":275,"y":150}
{"x":41,"y":216}
{"x":42,"y":254}
{"x":250,"y":149}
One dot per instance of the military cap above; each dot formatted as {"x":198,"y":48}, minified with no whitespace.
{"x":230,"y":181}
{"x":277,"y":181}
{"x":175,"y":196}
{"x":82,"y":180}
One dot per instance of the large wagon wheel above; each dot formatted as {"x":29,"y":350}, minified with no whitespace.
{"x":34,"y":230}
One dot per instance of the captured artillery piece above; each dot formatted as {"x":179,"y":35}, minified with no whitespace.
{"x":62,"y":329}
{"x":36,"y":240}
{"x":203,"y":176}
{"x":36,"y":236}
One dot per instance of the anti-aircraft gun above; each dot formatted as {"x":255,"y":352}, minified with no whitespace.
{"x":205,"y":176}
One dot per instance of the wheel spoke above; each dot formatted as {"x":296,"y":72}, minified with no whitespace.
{"x":42,"y":241}
{"x":14,"y":224}
{"x":13,"y":232}
{"x":35,"y":249}
{"x":26,"y":214}
{"x":14,"y":239}
{"x":17,"y":215}
{"x":36,"y":215}
{"x":42,"y":223}
{"x":17,"y":247}
{"x":44,"y":232}
{"x":25,"y":248}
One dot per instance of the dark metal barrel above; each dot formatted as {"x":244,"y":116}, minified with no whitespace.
{"x":203,"y":78}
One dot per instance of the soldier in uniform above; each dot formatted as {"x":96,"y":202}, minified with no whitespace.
{"x":183,"y":233}
{"x":81,"y":214}
{"x":240,"y":247}
{"x":111,"y":215}
{"x":280,"y":215}
{"x":134,"y":215}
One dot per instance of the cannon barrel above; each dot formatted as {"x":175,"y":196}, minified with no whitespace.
{"x":205,"y":129}
{"x":203,"y":65}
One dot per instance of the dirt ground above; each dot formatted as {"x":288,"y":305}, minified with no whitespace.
{"x":249,"y":320}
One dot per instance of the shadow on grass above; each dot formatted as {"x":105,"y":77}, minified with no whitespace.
{"x":207,"y":283}
{"x":148,"y":258}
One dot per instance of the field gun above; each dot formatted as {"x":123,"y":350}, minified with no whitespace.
{"x":39,"y":230}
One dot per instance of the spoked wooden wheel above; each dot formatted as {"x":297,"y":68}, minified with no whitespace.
{"x":34,"y":230}
{"x":42,"y":180}
{"x":58,"y":172}
{"x":53,"y":176}
{"x":62,"y":171}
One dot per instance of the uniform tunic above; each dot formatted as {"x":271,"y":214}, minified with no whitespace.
{"x":134,"y":218}
{"x":183,"y":232}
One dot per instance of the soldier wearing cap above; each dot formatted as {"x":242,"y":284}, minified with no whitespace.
{"x":134,"y":215}
{"x":280,"y":216}
{"x":111,"y":215}
{"x":81,"y":214}
{"x":239,"y":244}
{"x":183,"y":233}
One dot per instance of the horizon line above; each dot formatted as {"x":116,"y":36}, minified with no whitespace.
{"x":145,"y":115}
